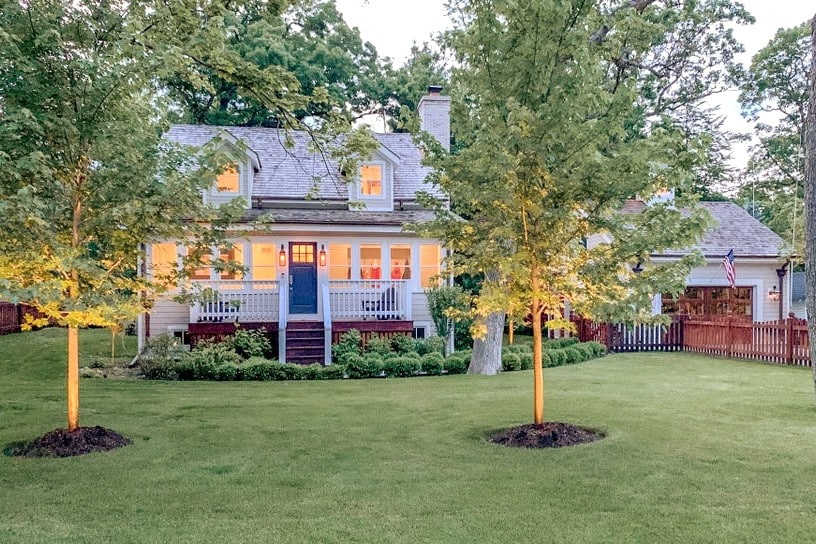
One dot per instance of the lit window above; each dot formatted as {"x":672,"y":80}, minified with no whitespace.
{"x":228,"y":181}
{"x":264,"y":261}
{"x":429,"y":264}
{"x":339,"y":261}
{"x":235,"y":256}
{"x":400,"y":262}
{"x":303,"y":253}
{"x":370,"y":262}
{"x":163,"y":259}
{"x":203,"y":272}
{"x":371,"y":180}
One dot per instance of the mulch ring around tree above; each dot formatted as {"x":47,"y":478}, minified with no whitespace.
{"x":65,"y":443}
{"x":550,"y":434}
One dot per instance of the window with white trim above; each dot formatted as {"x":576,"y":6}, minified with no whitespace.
{"x":371,"y":180}
{"x":229,"y":181}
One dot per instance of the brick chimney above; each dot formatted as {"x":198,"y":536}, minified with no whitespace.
{"x":434,"y":115}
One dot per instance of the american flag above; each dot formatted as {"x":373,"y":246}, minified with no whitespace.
{"x":730,"y":272}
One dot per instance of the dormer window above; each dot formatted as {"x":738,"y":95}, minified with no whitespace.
{"x":229,"y":180}
{"x":371,"y":180}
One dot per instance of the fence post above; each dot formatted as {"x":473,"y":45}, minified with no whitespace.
{"x":729,"y":337}
{"x":789,"y":340}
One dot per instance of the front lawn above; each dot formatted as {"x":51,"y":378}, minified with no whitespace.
{"x":698,"y":450}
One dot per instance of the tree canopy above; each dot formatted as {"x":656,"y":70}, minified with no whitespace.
{"x":564,"y":112}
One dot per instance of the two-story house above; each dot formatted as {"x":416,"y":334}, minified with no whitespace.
{"x":325,"y":264}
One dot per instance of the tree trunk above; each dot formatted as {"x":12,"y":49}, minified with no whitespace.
{"x":810,"y":205}
{"x":73,"y":378}
{"x":486,"y":358}
{"x":538,"y":371}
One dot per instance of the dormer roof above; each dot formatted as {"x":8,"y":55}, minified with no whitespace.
{"x":295,"y":172}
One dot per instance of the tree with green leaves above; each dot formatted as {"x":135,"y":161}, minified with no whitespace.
{"x":85,"y":177}
{"x":810,"y":201}
{"x":563,"y":116}
{"x":774,"y":97}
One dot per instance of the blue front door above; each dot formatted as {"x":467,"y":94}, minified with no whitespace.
{"x":302,"y":278}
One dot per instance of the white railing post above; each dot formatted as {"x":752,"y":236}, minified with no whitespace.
{"x":327,"y":323}
{"x":283,"y":308}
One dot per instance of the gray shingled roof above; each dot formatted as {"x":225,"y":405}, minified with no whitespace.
{"x":736,"y":229}
{"x":290,"y":172}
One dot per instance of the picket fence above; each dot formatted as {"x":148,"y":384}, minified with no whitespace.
{"x":783,"y":342}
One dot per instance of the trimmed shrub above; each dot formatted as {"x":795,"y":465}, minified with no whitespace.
{"x":403,"y":344}
{"x":350,"y":343}
{"x":546,"y":360}
{"x":248,"y":343}
{"x":560,"y":343}
{"x":557,"y":357}
{"x":258,"y":368}
{"x":434,"y":344}
{"x":456,"y":364}
{"x":526,"y":360}
{"x":598,"y":348}
{"x":160,"y":357}
{"x":159,"y":369}
{"x":312,"y":372}
{"x":574,"y":355}
{"x":378,"y":344}
{"x":432,"y":363}
{"x":226,"y":372}
{"x":511,"y":362}
{"x":369,"y":366}
{"x":332,"y":372}
{"x":411,"y":355}
{"x":401,"y":367}
{"x":518,"y":348}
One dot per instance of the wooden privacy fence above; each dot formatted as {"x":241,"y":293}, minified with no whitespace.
{"x":785,"y":341}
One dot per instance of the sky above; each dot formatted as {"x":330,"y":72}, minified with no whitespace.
{"x":419,"y":20}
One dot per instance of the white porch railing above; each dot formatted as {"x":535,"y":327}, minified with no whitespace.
{"x":236,"y":300}
{"x":261,"y":301}
{"x":369,"y":299}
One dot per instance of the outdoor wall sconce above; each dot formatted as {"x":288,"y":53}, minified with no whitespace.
{"x":321,"y":256}
{"x":773,"y":294}
{"x":282,"y":257}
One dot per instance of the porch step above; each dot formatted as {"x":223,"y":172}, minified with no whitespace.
{"x":305,"y":342}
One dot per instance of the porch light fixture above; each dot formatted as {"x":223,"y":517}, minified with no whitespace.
{"x":282,"y":257}
{"x":773,"y":294}
{"x":321,"y":256}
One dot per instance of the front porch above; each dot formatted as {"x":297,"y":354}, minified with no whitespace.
{"x":381,"y":307}
{"x":263,"y":301}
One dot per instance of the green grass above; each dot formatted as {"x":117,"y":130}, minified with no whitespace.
{"x":698,"y":450}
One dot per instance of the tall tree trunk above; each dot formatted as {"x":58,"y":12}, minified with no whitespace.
{"x":538,"y":371}
{"x":810,"y":204}
{"x":486,"y":358}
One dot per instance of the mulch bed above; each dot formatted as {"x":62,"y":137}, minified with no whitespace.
{"x":550,"y":434}
{"x":65,"y":443}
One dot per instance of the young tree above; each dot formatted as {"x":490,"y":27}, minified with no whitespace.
{"x":85,"y":178}
{"x":556,"y":134}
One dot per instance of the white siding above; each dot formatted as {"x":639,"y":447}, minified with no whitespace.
{"x":167,"y":316}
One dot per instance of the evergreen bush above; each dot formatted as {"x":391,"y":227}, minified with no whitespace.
{"x":433,"y":363}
